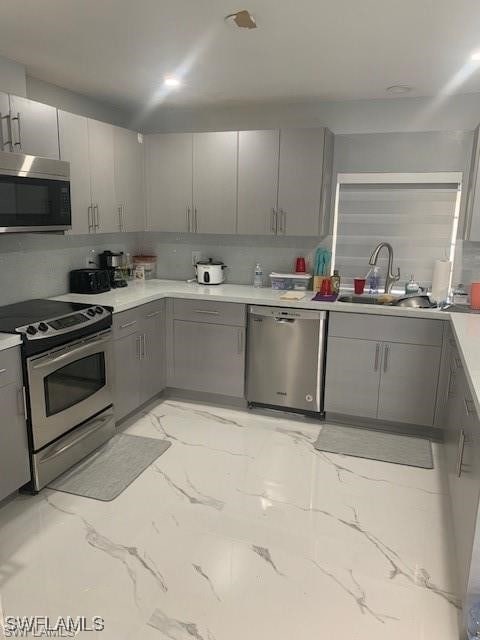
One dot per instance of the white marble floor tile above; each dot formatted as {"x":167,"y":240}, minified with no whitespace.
{"x":240,"y":530}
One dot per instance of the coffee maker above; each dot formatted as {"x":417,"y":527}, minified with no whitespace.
{"x":114,"y":263}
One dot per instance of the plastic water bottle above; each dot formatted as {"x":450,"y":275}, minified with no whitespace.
{"x":473,"y":622}
{"x":258,"y":277}
{"x":373,"y":279}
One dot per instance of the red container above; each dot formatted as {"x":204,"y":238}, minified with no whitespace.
{"x":326,"y":288}
{"x":359,"y":285}
{"x":300,"y":266}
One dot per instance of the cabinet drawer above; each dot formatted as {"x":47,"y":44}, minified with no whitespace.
{"x":152,"y":309}
{"x":386,"y":329}
{"x":125,"y":323}
{"x":10,"y":367}
{"x":230,"y":313}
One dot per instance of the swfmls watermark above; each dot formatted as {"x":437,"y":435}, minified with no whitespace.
{"x":46,"y":626}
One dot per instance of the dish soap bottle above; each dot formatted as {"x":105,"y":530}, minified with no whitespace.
{"x":258,"y":277}
{"x":335,"y":280}
{"x":411,"y":286}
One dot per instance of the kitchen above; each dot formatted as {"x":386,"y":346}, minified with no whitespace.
{"x":188,"y":439}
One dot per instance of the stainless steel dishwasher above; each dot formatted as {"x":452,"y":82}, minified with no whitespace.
{"x":286,"y":358}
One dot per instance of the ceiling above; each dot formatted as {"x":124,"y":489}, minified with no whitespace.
{"x":120,"y":50}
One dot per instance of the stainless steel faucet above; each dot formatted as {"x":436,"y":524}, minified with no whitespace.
{"x":389,"y":278}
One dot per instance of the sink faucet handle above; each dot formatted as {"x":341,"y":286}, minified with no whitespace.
{"x":397,"y":277}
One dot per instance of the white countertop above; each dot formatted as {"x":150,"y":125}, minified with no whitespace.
{"x":466,"y":327}
{"x":138,"y":293}
{"x":8,"y":340}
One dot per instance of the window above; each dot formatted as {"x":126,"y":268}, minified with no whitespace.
{"x":416,"y":213}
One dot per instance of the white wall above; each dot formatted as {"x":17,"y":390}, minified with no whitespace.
{"x":75,"y":102}
{"x":460,"y":112}
{"x":12,"y":77}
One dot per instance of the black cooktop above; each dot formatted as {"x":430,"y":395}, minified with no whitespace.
{"x":31,"y":311}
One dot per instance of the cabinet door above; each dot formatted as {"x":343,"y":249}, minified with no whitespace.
{"x":73,"y":136}
{"x":168,"y":168}
{"x":14,"y":462}
{"x":215,"y":182}
{"x":408,"y":386}
{"x":153,"y":352}
{"x":126,"y":378}
{"x":35,"y":127}
{"x":209,"y":357}
{"x":6,"y":144}
{"x":102,"y":168}
{"x":352,"y":376}
{"x":129,"y":180}
{"x":300,"y":181}
{"x":257,"y":181}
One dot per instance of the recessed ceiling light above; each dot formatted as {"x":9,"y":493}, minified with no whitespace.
{"x":172,"y":82}
{"x":399,"y":88}
{"x":475,"y":56}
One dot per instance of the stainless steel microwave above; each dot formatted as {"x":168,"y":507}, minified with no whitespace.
{"x":34,"y":194}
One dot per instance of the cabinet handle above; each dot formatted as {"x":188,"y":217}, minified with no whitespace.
{"x":153,"y":315}
{"x":240,"y":342}
{"x":469,"y":406}
{"x":385,"y":359}
{"x":461,"y":448}
{"x":458,"y":362}
{"x":90,"y":218}
{"x":207,"y":313}
{"x":3,"y":370}
{"x":24,"y":402}
{"x":120,"y":217}
{"x":377,"y":357}
{"x":273,"y":222}
{"x":8,"y":118}
{"x":187,"y":215}
{"x":283,"y":223}
{"x":19,"y":129}
{"x":128,"y":324}
{"x":96,"y":216}
{"x":451,"y":382}
{"x":144,"y":345}
{"x":138,"y":344}
{"x":196,"y":219}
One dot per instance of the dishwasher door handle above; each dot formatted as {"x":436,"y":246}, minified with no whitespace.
{"x":289,"y":320}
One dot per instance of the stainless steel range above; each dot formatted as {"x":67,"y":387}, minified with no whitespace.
{"x":66,"y":354}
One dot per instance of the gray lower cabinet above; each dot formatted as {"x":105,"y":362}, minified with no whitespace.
{"x":14,"y":459}
{"x":139,"y":356}
{"x":393,"y":377}
{"x":206,"y":347}
{"x":462,"y":453}
{"x":209,"y":357}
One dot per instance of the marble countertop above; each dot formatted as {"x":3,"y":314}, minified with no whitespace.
{"x":8,"y":340}
{"x":138,"y":293}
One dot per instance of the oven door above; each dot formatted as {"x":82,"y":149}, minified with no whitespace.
{"x":68,"y":385}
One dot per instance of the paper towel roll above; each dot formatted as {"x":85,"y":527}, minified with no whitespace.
{"x":441,"y":279}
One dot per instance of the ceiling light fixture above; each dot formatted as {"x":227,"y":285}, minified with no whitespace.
{"x":398,"y":89}
{"x":243,"y":19}
{"x":172,"y":82}
{"x":475,"y":56}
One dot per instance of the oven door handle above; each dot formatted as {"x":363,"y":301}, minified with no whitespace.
{"x":68,"y":355}
{"x":56,"y":451}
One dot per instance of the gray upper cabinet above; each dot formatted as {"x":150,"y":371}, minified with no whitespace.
{"x":383,"y":368}
{"x":472,"y":216}
{"x":73,"y":137}
{"x":300,"y":181}
{"x":257,"y":181}
{"x":34,"y":127}
{"x":14,"y":459}
{"x":169,"y":182}
{"x":215,"y":182}
{"x":102,"y":176}
{"x":129,"y":180}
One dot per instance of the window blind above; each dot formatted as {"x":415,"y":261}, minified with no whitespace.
{"x":416,"y":219}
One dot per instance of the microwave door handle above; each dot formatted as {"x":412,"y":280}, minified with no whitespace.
{"x":49,"y":361}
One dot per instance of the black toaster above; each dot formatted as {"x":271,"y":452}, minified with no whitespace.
{"x":89,"y":281}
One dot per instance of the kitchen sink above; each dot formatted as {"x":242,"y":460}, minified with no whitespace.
{"x":358,"y":299}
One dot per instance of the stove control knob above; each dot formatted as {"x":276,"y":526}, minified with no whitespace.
{"x":91,"y":312}
{"x":99,"y":310}
{"x":43,"y":327}
{"x":31,"y":330}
